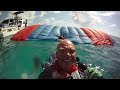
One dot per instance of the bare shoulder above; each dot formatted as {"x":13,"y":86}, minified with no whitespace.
{"x":46,"y":74}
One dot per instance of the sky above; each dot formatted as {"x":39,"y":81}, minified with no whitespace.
{"x":107,"y":21}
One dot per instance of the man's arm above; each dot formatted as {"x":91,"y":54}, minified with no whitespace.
{"x":94,"y":73}
{"x":91,"y":72}
{"x":46,"y":74}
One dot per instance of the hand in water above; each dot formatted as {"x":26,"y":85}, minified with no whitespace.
{"x":36,"y":62}
{"x":94,"y":73}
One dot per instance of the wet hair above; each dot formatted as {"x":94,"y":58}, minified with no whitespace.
{"x":61,"y":37}
{"x":64,"y":42}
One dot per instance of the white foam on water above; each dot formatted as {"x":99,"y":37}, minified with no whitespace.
{"x":24,"y":76}
{"x":14,"y":30}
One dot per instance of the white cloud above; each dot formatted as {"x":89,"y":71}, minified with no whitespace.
{"x":92,"y":19}
{"x":43,"y":13}
{"x":55,"y":12}
{"x":117,"y":12}
{"x":63,"y":23}
{"x":75,"y":18}
{"x":104,"y":13}
{"x":95,"y":19}
{"x":52,"y":19}
{"x":45,"y":21}
{"x":113,"y":25}
{"x":80,"y":16}
{"x":30,"y":15}
{"x":86,"y":18}
{"x":92,"y":12}
{"x":108,"y":13}
{"x":31,"y":23}
{"x":10,"y":14}
{"x":72,"y":13}
{"x":94,"y":16}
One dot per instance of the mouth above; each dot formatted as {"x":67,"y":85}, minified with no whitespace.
{"x":66,"y":60}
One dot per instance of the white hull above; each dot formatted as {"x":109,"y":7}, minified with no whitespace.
{"x":10,"y":30}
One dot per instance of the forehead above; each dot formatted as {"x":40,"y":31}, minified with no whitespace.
{"x":65,"y":44}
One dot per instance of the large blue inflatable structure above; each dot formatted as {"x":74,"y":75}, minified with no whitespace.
{"x":75,"y":34}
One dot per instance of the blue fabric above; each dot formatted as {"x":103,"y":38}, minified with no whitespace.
{"x":86,"y":40}
{"x":76,"y":40}
{"x":55,"y":32}
{"x":72,"y":32}
{"x":64,"y":32}
{"x":36,"y":32}
{"x":80,"y":32}
{"x":45,"y":32}
{"x":50,"y":32}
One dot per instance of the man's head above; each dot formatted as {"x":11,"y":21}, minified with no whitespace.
{"x":66,"y":54}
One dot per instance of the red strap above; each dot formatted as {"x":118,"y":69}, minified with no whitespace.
{"x":59,"y":70}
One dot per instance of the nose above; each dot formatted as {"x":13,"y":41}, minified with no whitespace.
{"x":68,"y":55}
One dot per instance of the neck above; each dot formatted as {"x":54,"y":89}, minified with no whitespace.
{"x":59,"y":75}
{"x":59,"y":71}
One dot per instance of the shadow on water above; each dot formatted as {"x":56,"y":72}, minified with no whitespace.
{"x":16,"y":58}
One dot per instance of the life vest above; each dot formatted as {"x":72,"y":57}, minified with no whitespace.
{"x":76,"y":72}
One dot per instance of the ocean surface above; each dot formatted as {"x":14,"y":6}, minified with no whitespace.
{"x":17,"y":58}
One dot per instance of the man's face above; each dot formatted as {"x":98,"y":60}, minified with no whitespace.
{"x":66,"y":54}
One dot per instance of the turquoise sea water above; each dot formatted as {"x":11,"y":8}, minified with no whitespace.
{"x":16,"y":58}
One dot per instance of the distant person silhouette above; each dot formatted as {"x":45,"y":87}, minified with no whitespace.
{"x":1,"y":38}
{"x":26,"y":23}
